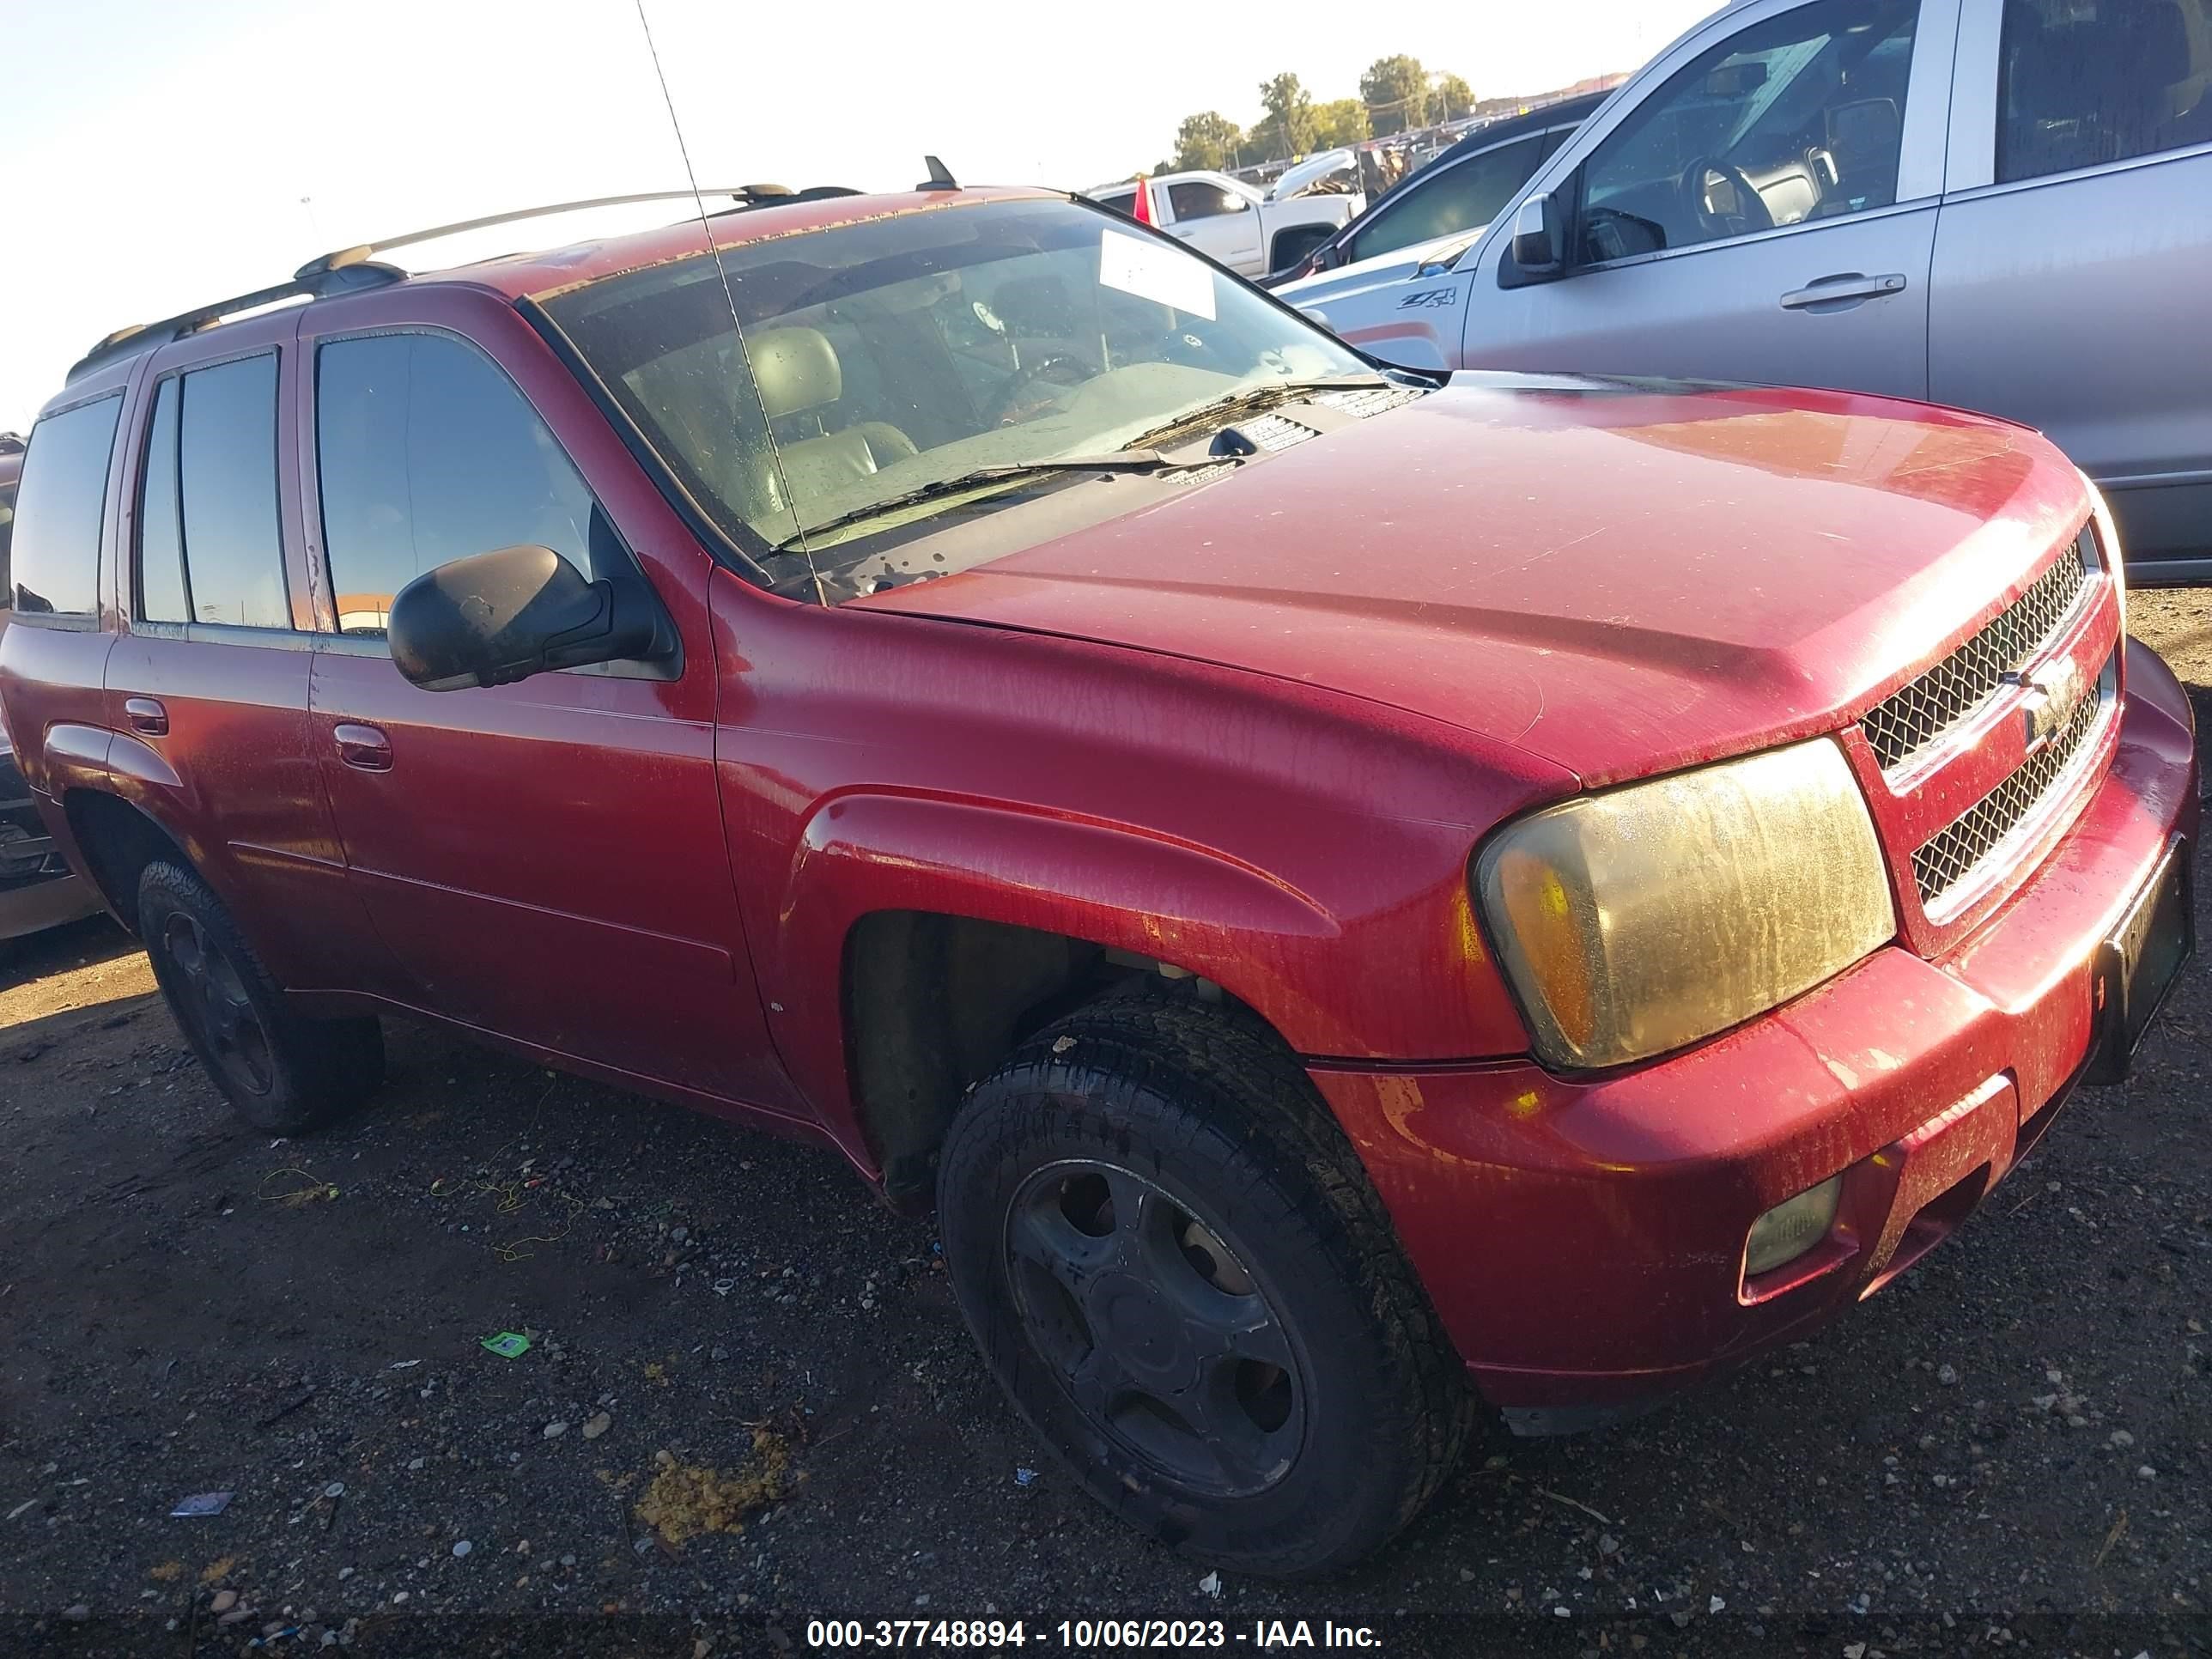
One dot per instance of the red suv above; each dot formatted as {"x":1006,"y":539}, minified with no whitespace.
{"x":1356,"y":897}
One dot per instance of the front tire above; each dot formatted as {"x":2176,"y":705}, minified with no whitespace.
{"x":1174,"y":1263}
{"x":283,"y":1073}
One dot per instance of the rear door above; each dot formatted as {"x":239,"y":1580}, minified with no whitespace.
{"x":2074,"y":256}
{"x":1764,"y":211}
{"x":546,"y":859}
{"x":208,"y":683}
{"x":1218,"y":221}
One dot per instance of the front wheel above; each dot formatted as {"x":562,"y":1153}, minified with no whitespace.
{"x":1175,"y":1265}
{"x":283,"y":1072}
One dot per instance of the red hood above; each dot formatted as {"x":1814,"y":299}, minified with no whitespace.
{"x":1621,"y":581}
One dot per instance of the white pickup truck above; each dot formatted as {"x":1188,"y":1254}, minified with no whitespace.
{"x":1223,"y":217}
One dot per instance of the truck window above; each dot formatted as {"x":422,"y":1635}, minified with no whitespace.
{"x":58,"y":505}
{"x":1196,"y":199}
{"x":1798,"y":116}
{"x":2085,"y":82}
{"x":162,"y":596}
{"x":226,"y":486}
{"x":427,"y":453}
{"x":1464,"y":195}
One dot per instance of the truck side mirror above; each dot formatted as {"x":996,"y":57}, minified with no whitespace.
{"x":1536,"y":237}
{"x":495,"y":617}
{"x":1538,"y":252}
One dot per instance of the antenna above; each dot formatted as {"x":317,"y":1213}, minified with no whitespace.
{"x":940,"y":176}
{"x":774,"y":452}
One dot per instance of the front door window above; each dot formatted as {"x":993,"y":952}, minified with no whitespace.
{"x":1797,"y":118}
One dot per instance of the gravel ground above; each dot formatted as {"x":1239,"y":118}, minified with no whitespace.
{"x":748,"y":1402}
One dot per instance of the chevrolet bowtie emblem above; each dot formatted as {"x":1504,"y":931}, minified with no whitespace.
{"x":2055,"y":692}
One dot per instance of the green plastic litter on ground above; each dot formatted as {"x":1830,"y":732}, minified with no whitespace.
{"x":508,"y":1345}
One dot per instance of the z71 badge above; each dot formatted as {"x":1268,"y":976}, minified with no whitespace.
{"x":1431,"y":299}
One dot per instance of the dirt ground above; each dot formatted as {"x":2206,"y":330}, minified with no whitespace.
{"x":2006,"y":1452}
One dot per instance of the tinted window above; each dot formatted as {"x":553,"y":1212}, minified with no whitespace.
{"x":2089,"y":82}
{"x":1202,"y":201}
{"x":161,"y":545}
{"x":1467,"y":194}
{"x":1123,"y":202}
{"x":1797,"y":118}
{"x":427,"y":455}
{"x":226,"y":480}
{"x":58,"y":504}
{"x":7,"y":540}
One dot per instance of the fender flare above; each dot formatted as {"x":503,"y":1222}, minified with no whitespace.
{"x":1109,"y":883}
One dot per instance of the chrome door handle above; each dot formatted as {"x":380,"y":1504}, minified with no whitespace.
{"x":146,"y":715}
{"x":362,"y":747}
{"x":1845,"y":285}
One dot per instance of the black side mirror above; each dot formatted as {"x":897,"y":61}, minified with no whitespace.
{"x":495,"y":618}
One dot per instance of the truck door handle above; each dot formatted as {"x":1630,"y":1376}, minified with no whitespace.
{"x":362,"y":747}
{"x":1844,"y":285}
{"x":146,"y":715}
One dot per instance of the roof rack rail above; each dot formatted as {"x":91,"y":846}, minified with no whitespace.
{"x":145,"y":336}
{"x":348,"y":270}
{"x":744,"y":195}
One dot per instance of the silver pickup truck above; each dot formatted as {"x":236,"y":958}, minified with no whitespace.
{"x":2001,"y":205}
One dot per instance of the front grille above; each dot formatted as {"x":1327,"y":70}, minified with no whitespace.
{"x":1954,"y":853}
{"x":1908,"y":720}
{"x":1370,"y":400}
{"x":1274,"y":432}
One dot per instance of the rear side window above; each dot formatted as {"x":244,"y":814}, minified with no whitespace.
{"x":162,"y":596}
{"x":7,"y":540}
{"x":427,"y":453}
{"x":1467,"y":194}
{"x":2085,"y":82}
{"x":58,"y":506}
{"x":226,"y":480}
{"x":1196,"y":199}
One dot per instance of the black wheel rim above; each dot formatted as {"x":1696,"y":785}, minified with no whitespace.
{"x":1161,"y":1337}
{"x":212,"y":997}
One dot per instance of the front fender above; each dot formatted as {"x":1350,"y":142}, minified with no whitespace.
{"x":1112,"y":884}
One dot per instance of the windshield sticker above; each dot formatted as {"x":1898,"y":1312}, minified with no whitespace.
{"x":1430,"y":298}
{"x":1153,"y":272}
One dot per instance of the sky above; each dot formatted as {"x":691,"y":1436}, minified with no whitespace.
{"x":160,"y":154}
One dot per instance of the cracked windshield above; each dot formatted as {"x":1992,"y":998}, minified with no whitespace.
{"x":888,"y":357}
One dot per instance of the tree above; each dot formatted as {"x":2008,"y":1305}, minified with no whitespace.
{"x":1396,"y":93}
{"x":1207,"y":142}
{"x":1342,"y":121}
{"x":1287,"y":129}
{"x":1455,"y":97}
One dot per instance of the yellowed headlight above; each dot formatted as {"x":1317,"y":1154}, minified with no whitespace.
{"x":1638,"y":920}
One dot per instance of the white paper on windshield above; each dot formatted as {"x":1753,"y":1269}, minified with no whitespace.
{"x":1153,"y":272}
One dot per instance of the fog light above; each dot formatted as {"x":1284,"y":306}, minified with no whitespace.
{"x":1791,"y":1228}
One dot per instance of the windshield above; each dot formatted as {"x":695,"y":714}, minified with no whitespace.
{"x":880,"y":358}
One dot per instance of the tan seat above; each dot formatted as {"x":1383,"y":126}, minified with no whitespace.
{"x":798,"y":373}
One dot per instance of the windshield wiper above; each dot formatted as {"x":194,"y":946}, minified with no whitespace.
{"x":1254,"y":396}
{"x":1119,"y":460}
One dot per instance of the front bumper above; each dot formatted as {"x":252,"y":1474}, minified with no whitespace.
{"x":39,"y":905}
{"x":50,"y":892}
{"x":1582,"y":1239}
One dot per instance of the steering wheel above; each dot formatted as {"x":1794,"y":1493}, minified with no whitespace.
{"x":1192,"y":350}
{"x":1752,"y":212}
{"x":1059,"y":367}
